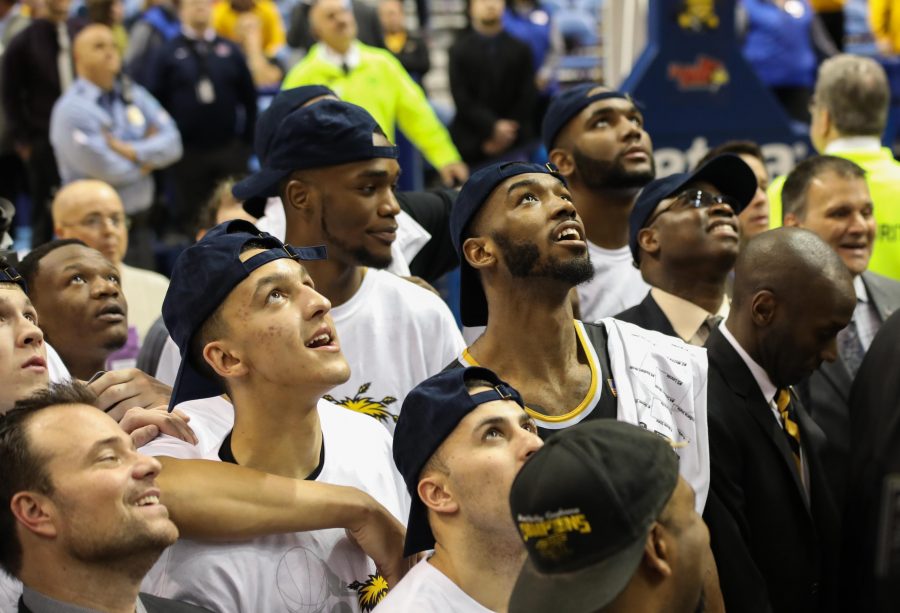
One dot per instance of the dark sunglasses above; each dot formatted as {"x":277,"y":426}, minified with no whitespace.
{"x":694,"y":199}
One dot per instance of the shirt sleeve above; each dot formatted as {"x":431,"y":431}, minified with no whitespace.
{"x":78,"y":140}
{"x":164,"y":147}
{"x":417,"y":119}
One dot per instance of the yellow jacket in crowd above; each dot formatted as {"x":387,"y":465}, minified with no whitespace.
{"x":884,"y":15}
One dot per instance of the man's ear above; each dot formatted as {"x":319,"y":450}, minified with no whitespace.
{"x":297,"y":196}
{"x":434,"y":494}
{"x":791,"y":221}
{"x":763,"y":306}
{"x":35,"y":512}
{"x":479,"y":252}
{"x":648,"y":241}
{"x":658,"y":552}
{"x":563,"y":160}
{"x":224,"y":361}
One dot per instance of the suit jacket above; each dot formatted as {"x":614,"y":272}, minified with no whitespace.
{"x":774,"y":546}
{"x":826,"y":393}
{"x":153,"y":604}
{"x":490,"y":79}
{"x":649,"y":316}
{"x":875,"y":453}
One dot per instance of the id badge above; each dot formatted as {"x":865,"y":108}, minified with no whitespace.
{"x":206,"y":93}
{"x":135,"y":116}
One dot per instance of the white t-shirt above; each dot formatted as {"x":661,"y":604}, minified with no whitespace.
{"x":425,"y":588}
{"x":320,"y":570}
{"x":617,"y":285}
{"x":394,"y":335}
{"x":10,"y":590}
{"x":144,"y":290}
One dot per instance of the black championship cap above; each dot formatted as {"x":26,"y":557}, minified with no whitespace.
{"x":203,"y":276}
{"x":584,"y":505}
{"x":727,"y":172}
{"x":327,"y":133}
{"x":473,"y":304}
{"x":431,"y":411}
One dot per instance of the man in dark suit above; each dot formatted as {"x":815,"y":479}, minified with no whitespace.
{"x":492,"y":82}
{"x":684,"y":235}
{"x":773,"y":521}
{"x":829,"y":196}
{"x":875,"y":455}
{"x":80,"y":519}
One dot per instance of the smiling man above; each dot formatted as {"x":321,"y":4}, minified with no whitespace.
{"x":829,"y":196}
{"x":249,"y":323}
{"x":685,"y":237}
{"x":80,"y":518}
{"x":78,"y":294}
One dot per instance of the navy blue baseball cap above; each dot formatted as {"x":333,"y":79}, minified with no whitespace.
{"x":203,"y":276}
{"x":430,"y":413}
{"x":474,"y":193}
{"x":569,"y":103}
{"x":8,"y":274}
{"x":727,"y":172}
{"x":327,"y":133}
{"x":284,"y":103}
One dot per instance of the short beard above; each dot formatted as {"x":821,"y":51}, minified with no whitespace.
{"x":360,"y":255}
{"x":600,"y":174}
{"x":523,"y":261}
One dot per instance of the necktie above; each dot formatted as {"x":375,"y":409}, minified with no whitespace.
{"x":63,"y":57}
{"x":345,"y":66}
{"x":788,"y":418}
{"x":850,"y":347}
{"x":709,"y":324}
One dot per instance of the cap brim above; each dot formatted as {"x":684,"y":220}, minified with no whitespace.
{"x":473,"y":307}
{"x":418,"y":531}
{"x":262,"y":184}
{"x":731,"y":176}
{"x":191,"y":385}
{"x":583,"y":591}
{"x":256,"y":206}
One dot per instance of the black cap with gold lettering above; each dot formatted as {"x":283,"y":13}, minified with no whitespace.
{"x":584,"y":505}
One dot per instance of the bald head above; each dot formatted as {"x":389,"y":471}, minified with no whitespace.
{"x":332,"y":22}
{"x":92,"y":212}
{"x":792,"y":295}
{"x":96,"y":56}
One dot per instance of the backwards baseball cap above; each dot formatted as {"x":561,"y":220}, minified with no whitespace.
{"x":584,"y":505}
{"x":8,"y":274}
{"x":327,"y":133}
{"x":474,"y":193}
{"x":727,"y":172}
{"x":284,"y":103}
{"x":203,"y":276}
{"x":430,"y":412}
{"x":569,"y":103}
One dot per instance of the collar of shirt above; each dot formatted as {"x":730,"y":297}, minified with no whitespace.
{"x":853,"y":143}
{"x":351,"y":58}
{"x":685,"y":316}
{"x":39,"y":603}
{"x":765,"y":384}
{"x":209,"y":35}
{"x":861,"y":294}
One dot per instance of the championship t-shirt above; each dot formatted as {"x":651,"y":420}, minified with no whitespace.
{"x":320,"y":570}
{"x":617,"y":285}
{"x":425,"y":588}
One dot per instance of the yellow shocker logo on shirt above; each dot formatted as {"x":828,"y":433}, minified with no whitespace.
{"x":370,"y":592}
{"x":366,"y":404}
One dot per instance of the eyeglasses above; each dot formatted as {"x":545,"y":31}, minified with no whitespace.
{"x":97,"y":222}
{"x":693,"y":199}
